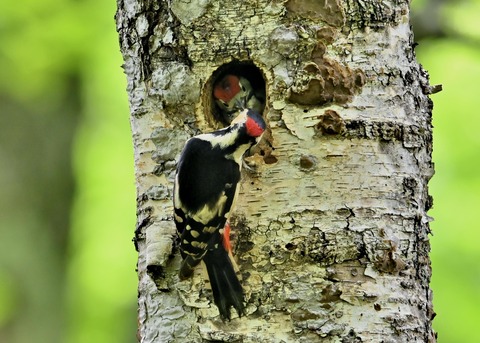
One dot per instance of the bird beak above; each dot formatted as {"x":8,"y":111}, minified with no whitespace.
{"x":241,"y":103}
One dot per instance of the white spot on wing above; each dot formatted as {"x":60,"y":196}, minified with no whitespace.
{"x":207,"y":213}
{"x":209,"y":229}
{"x":200,"y":245}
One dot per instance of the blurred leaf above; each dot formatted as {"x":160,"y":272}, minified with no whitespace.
{"x":455,"y":188}
{"x":9,"y":298}
{"x":462,"y":18}
{"x":50,"y":49}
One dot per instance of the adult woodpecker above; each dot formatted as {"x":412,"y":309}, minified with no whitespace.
{"x":206,"y":186}
{"x":233,"y":93}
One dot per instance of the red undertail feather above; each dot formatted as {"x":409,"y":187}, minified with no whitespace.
{"x":226,"y":237}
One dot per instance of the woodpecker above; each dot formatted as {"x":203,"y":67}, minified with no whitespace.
{"x":206,"y":186}
{"x":233,"y":93}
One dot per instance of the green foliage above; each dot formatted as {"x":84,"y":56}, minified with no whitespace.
{"x":455,"y":187}
{"x":60,"y":59}
{"x":102,"y":278}
{"x":461,"y":19}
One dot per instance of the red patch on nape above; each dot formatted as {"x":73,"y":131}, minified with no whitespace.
{"x":226,"y":88}
{"x":254,"y":129}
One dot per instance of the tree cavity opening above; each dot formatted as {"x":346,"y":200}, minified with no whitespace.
{"x":246,"y":69}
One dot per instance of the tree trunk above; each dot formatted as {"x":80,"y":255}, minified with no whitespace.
{"x":331,"y":226}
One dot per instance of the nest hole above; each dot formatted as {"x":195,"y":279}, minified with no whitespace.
{"x":214,"y":115}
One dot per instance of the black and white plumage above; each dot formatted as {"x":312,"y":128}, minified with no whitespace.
{"x":206,"y":186}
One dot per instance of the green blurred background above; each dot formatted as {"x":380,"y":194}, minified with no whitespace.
{"x":67,"y":210}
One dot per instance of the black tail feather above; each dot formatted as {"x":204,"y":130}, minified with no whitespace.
{"x":226,"y":288}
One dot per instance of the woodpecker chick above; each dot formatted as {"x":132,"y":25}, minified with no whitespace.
{"x":206,"y":187}
{"x":234,"y":93}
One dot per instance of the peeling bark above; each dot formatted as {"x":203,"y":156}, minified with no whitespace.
{"x":331,"y":227}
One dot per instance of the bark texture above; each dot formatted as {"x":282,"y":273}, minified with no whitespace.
{"x":331,"y":225}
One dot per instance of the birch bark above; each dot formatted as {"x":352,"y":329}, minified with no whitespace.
{"x":331,"y":225}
